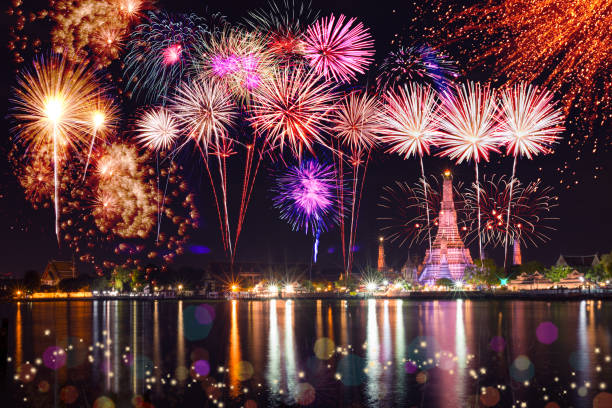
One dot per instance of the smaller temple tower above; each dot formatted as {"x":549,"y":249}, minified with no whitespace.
{"x":381,"y":254}
{"x":517,"y":259}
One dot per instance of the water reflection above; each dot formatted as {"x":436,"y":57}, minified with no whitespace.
{"x":437,"y":353}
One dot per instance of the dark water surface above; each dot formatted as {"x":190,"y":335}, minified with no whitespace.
{"x":323,"y":353}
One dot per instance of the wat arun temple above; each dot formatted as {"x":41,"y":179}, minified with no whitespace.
{"x":448,"y":257}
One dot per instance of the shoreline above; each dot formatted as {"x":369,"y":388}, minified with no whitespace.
{"x":451,"y":295}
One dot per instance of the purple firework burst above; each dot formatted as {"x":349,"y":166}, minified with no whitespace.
{"x":306,"y":196}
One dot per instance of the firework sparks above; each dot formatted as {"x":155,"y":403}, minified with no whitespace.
{"x":468,"y":124}
{"x":102,"y":122}
{"x":422,"y":64}
{"x":306,"y":198}
{"x":338,"y":50}
{"x":564,"y":45}
{"x":357,"y":121}
{"x":157,"y":129}
{"x":529,"y":123}
{"x":159,"y":51}
{"x":530,"y":214}
{"x":51,"y":106}
{"x":291,"y":109}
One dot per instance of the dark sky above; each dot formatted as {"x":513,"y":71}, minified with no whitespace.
{"x":584,"y":224}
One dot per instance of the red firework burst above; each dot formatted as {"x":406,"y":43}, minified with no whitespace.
{"x":291,"y":109}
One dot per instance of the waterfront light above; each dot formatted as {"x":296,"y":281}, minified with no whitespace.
{"x":371,"y":286}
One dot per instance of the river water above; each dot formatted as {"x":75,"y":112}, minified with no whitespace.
{"x":323,"y":353}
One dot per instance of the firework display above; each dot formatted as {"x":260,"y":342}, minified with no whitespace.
{"x":241,"y":95}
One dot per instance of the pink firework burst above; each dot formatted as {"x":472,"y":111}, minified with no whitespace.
{"x":357,"y":121}
{"x":291,"y":108}
{"x":468,"y":124}
{"x":172,"y":54}
{"x":410,"y":120}
{"x":338,"y":49}
{"x":530,"y":122}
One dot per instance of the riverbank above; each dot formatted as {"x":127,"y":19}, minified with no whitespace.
{"x":544,"y":295}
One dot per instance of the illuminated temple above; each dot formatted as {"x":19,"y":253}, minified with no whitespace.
{"x":448,"y":257}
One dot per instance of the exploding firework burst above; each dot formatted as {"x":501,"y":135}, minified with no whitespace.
{"x":205,"y":111}
{"x":306,"y":196}
{"x":338,"y":50}
{"x":239,"y":59}
{"x":405,"y":220}
{"x":357,"y":121}
{"x":563,"y":45}
{"x":410,"y":120}
{"x":159,"y":53}
{"x":291,"y":109}
{"x":421,"y":64}
{"x":157,"y":129}
{"x":284,"y":24}
{"x":530,"y":215}
{"x":468,"y":124}
{"x":529,"y":123}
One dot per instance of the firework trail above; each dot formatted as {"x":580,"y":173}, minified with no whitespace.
{"x":206,"y":110}
{"x":159,"y":52}
{"x":421,"y":64}
{"x":357,"y":123}
{"x":411,"y":126}
{"x":51,"y":105}
{"x":292,"y":108}
{"x":468,"y":130}
{"x":337,"y":49}
{"x":530,"y":124}
{"x":406,"y":206}
{"x":530,"y":204}
{"x":284,"y":24}
{"x":305,"y":197}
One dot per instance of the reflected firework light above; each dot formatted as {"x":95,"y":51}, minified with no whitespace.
{"x":404,"y":218}
{"x":159,"y":53}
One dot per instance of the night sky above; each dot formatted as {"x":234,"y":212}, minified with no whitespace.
{"x":584,"y":225}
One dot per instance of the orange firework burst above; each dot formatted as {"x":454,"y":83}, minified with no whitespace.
{"x":52,"y":105}
{"x":564,"y":44}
